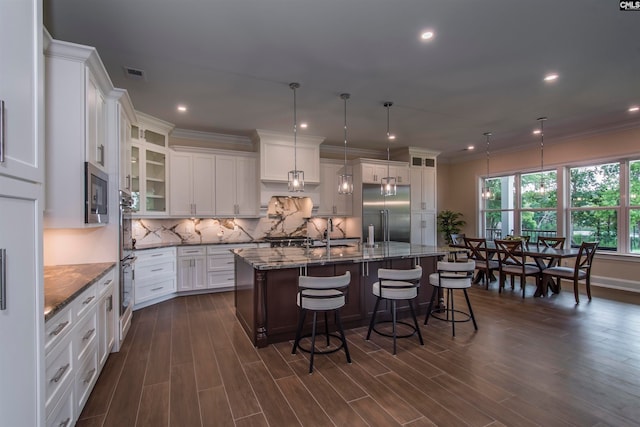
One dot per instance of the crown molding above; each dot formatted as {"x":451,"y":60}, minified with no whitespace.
{"x":221,"y":138}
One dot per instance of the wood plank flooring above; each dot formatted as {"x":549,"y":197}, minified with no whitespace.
{"x":533,"y":361}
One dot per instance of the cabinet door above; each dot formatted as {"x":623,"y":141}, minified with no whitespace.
{"x":247,"y":186}
{"x":402,"y":175}
{"x":180,"y":184}
{"x":328,"y":189}
{"x":203,"y":176}
{"x":106,"y":326}
{"x":95,"y":123}
{"x":135,"y":177}
{"x":125,"y":150}
{"x":199,"y":273}
{"x":429,"y":188}
{"x":417,"y":201}
{"x":21,"y":86}
{"x":155,"y":177}
{"x":225,"y":179}
{"x":22,"y":321}
{"x":185,"y":280}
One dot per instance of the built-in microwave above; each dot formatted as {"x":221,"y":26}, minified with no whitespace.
{"x":96,"y":198}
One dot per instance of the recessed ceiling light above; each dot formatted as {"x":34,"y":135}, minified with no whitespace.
{"x":634,"y":109}
{"x":303,"y":125}
{"x":427,"y":35}
{"x":392,"y":137}
{"x":536,"y":132}
{"x":551,"y":77}
{"x":182,"y":108}
{"x":471,"y":147}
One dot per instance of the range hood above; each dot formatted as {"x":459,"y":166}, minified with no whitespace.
{"x":287,"y":206}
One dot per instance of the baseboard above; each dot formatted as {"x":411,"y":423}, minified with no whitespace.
{"x":613,"y":283}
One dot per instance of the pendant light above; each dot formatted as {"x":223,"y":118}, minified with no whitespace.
{"x":486,"y":191}
{"x":388,"y":183}
{"x":345,"y":180}
{"x":295,"y":177}
{"x":541,"y":190}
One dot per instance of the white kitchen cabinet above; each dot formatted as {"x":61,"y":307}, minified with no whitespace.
{"x":125,"y":116}
{"x":423,"y":189}
{"x":96,"y":110}
{"x":423,"y":200}
{"x":149,"y":165}
{"x":192,"y":184}
{"x":277,"y":156}
{"x":236,"y":186}
{"x":21,"y":205}
{"x":423,"y":230}
{"x":155,"y":276}
{"x":372,"y":173}
{"x":192,"y":268}
{"x":331,"y":202}
{"x":221,"y":273}
{"x":107,"y":318}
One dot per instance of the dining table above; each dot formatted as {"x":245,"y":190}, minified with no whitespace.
{"x":543,"y":256}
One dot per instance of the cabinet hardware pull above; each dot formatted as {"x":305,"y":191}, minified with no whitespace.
{"x":60,"y":373}
{"x":157,"y":254}
{"x":64,"y":423}
{"x":156,"y":289}
{"x":1,"y":132}
{"x":128,"y":181}
{"x":88,"y":300}
{"x":58,"y":328}
{"x":88,"y":334}
{"x":89,"y":375}
{"x":101,"y":151}
{"x":157,"y":269}
{"x":108,"y":282}
{"x":3,"y":278}
{"x":110,"y":303}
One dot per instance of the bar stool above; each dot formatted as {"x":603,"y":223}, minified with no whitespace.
{"x":396,"y":285}
{"x":451,"y":276}
{"x":321,"y":294}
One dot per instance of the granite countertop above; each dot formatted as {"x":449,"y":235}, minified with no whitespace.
{"x":141,"y":247}
{"x":62,"y":283}
{"x":275,"y":258}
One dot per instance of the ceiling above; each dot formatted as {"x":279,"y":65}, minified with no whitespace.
{"x":231,"y":61}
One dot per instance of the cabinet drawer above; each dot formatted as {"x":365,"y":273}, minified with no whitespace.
{"x":220,"y":262}
{"x":164,"y":268}
{"x":106,"y":282}
{"x":57,"y":328}
{"x":59,"y":368}
{"x":84,"y":335}
{"x":153,"y":256}
{"x":220,"y":279}
{"x":86,"y":376}
{"x":193,"y":250}
{"x":62,"y":414}
{"x":85,"y":301}
{"x":147,"y":291}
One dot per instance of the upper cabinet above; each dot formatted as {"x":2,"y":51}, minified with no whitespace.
{"x":236,"y":185}
{"x":149,"y":165}
{"x":125,"y":115}
{"x":192,"y":184}
{"x":278,"y":154}
{"x":332,"y":203}
{"x":374,"y":170}
{"x":78,"y":96}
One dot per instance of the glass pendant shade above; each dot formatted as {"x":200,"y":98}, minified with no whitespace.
{"x":345,"y":180}
{"x":295,"y":177}
{"x":296,"y":180}
{"x":486,"y":192}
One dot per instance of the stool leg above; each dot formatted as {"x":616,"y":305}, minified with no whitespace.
{"x":393,"y":309}
{"x":430,"y":307}
{"x":373,"y":318}
{"x":473,"y":318}
{"x":302,"y":314}
{"x":344,"y":339}
{"x":326,"y":327}
{"x":313,"y":341}
{"x":415,"y":322}
{"x":453,"y":320}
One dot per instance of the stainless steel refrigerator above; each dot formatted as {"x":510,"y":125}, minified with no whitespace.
{"x":390,"y":216}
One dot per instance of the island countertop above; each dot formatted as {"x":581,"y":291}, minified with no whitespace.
{"x":277,"y":258}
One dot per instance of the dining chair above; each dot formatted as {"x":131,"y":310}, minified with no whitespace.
{"x":511,"y":260}
{"x":458,"y":240}
{"x":394,"y":285}
{"x":551,"y":241}
{"x":478,"y":253}
{"x":580,"y":271}
{"x":321,"y":294}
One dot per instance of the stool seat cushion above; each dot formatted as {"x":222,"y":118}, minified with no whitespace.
{"x":448,"y":280}
{"x":404,"y":290}
{"x":321,"y":299}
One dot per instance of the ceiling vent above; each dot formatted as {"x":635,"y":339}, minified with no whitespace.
{"x":134,"y":73}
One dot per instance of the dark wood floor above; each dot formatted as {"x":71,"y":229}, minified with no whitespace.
{"x":537,"y":361}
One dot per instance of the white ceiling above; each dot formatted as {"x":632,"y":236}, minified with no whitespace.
{"x":230,"y":62}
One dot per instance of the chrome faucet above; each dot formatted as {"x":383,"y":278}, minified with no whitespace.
{"x":327,"y":232}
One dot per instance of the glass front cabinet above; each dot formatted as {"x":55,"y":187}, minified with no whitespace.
{"x":149,"y":167}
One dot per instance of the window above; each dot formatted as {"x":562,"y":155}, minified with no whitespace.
{"x":602,"y":203}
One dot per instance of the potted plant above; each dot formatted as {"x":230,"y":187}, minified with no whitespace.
{"x":450,"y":222}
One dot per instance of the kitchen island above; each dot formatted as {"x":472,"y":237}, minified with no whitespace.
{"x":267,"y":283}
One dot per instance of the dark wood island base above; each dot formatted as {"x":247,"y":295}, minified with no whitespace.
{"x":265,"y":295}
